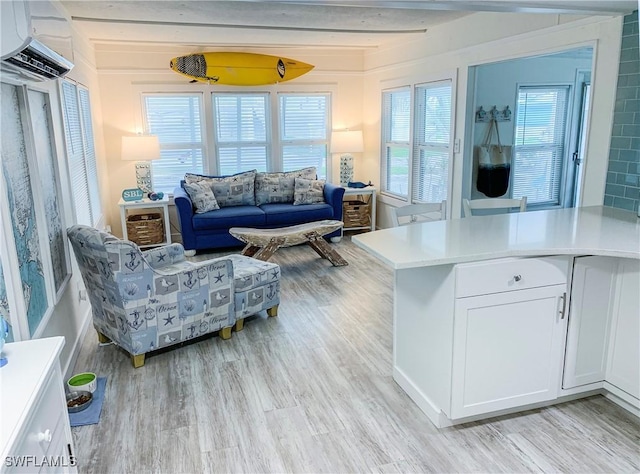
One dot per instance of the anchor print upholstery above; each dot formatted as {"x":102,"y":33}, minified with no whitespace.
{"x":144,"y":301}
{"x":149,"y":300}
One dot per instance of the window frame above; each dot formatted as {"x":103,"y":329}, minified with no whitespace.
{"x":93,"y":192}
{"x":202,"y":145}
{"x":387,"y":143}
{"x":395,"y":199}
{"x":419,"y":145}
{"x":210,"y":161}
{"x":282,"y":142}
{"x":565,"y":161}
{"x":218,"y":144}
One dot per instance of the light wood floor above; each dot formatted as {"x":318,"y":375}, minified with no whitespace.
{"x":312,"y":391}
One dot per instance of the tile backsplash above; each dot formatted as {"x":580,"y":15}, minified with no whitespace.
{"x":623,"y":176}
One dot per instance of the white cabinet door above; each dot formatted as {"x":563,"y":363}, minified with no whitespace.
{"x":623,"y":368}
{"x":589,"y":320}
{"x":507,"y":350}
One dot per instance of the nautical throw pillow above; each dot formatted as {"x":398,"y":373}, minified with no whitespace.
{"x":201,"y":196}
{"x":308,"y":191}
{"x":234,"y":190}
{"x":279,"y":187}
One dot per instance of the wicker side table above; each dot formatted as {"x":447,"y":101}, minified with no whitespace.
{"x":359,"y":209}
{"x":146,"y":204}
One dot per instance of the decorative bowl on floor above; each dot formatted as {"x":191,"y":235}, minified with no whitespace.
{"x":85,"y":381}
{"x":78,"y":401}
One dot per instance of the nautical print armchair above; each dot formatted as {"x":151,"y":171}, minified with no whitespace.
{"x":145,"y":301}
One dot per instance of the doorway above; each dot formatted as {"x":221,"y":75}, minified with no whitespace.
{"x":549,"y":100}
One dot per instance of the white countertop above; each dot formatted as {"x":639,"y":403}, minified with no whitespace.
{"x":29,"y":363}
{"x":593,"y":230}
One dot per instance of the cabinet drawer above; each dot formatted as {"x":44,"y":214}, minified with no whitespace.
{"x":47,"y":416}
{"x":497,"y":276}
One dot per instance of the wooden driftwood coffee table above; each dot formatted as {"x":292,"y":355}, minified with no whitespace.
{"x":263,"y":243}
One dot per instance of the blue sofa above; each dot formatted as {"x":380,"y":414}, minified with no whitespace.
{"x":210,"y":230}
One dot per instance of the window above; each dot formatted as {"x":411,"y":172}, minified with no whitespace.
{"x":431,"y":144}
{"x":540,"y":144}
{"x":176,"y":120}
{"x":416,"y":168}
{"x":396,"y":124}
{"x":80,"y":148}
{"x":241,"y":131}
{"x":304,"y":131}
{"x":236,"y":131}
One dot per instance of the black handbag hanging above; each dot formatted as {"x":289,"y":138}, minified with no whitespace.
{"x":494,"y":165}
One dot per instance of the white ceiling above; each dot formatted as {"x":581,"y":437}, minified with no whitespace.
{"x":294,"y":23}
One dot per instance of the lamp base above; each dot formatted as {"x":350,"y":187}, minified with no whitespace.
{"x":346,"y":169}
{"x":143,"y":176}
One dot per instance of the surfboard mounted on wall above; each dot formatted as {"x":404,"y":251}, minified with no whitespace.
{"x":239,"y":69}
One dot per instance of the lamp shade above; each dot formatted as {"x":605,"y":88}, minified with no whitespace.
{"x":140,"y":148}
{"x":347,"y":141}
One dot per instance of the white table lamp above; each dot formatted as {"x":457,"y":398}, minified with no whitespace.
{"x":141,"y":148}
{"x":346,"y":142}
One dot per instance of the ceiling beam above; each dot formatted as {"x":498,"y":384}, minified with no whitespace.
{"x":580,"y":7}
{"x":246,"y":26}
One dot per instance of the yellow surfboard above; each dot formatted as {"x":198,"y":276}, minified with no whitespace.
{"x":239,"y":69}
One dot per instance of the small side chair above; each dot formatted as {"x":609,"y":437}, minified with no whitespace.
{"x":508,"y":204}
{"x":415,"y":213}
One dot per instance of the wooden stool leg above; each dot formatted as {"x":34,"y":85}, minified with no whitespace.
{"x":273,"y":311}
{"x":225,"y":333}
{"x":239,"y":325}
{"x":268,"y":250}
{"x":250,"y":250}
{"x":323,"y":249}
{"x":138,"y":360}
{"x":102,"y":339}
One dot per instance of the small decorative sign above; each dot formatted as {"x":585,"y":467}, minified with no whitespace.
{"x":133,"y":194}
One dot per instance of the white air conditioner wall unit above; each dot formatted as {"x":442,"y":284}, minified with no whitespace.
{"x":24,"y":57}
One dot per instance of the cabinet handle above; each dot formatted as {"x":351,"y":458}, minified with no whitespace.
{"x":517,"y":277}
{"x":563,"y":298}
{"x":46,"y":436}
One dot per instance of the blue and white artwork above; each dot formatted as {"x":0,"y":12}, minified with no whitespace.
{"x":39,"y":108}
{"x":15,"y":169}
{"x":4,"y":304}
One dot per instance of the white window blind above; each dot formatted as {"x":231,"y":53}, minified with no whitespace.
{"x":176,"y":120}
{"x":304,"y":131}
{"x":396,"y":126}
{"x":432,"y":142}
{"x":540,"y":143}
{"x":242,"y":131}
{"x":90,"y":154}
{"x":81,"y":153}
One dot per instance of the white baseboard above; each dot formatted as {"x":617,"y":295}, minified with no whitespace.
{"x":622,"y":398}
{"x":77,"y":345}
{"x":437,"y":417}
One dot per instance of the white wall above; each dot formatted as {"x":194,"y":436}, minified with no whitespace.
{"x":489,"y":37}
{"x":125,"y":72}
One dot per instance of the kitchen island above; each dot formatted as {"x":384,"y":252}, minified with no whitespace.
{"x":497,"y":314}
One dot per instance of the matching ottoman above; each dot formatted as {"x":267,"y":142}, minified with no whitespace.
{"x":257,"y":287}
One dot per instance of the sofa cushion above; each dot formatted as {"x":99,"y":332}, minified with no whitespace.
{"x":233,"y":190}
{"x":308,"y":191}
{"x":288,"y":214}
{"x":278,"y":187}
{"x":201,"y":196}
{"x":226,"y":217}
